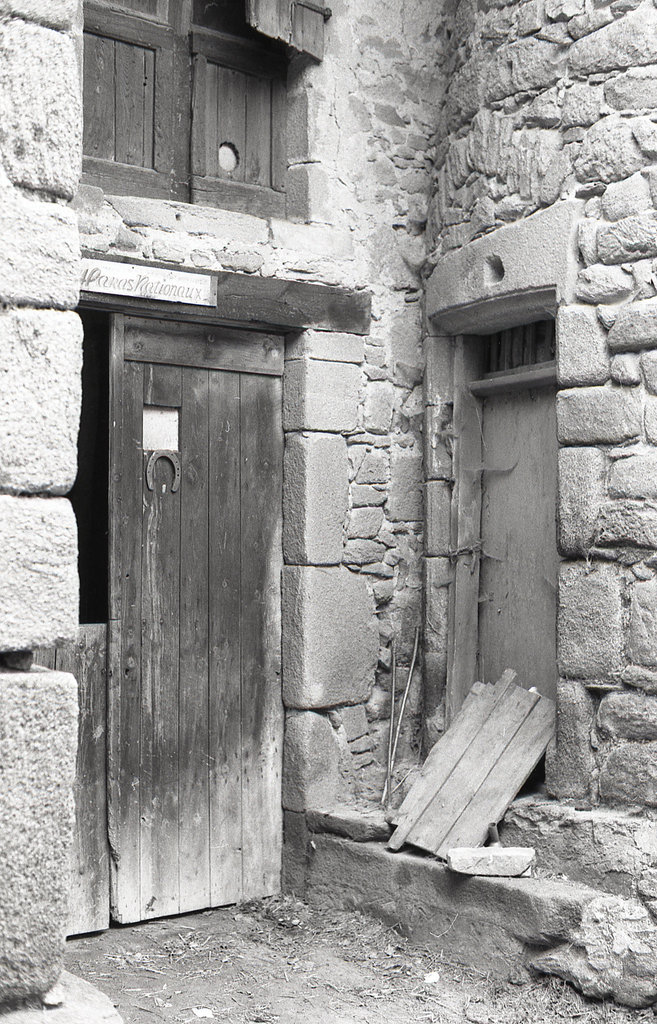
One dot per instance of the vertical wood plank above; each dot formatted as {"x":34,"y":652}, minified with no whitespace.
{"x":124,"y":758}
{"x":148,"y":127}
{"x":518,"y":600}
{"x":231,"y":92}
{"x":160,"y":644}
{"x":212,"y":119}
{"x":278,"y":134}
{"x":466,"y":524}
{"x":98,"y":93}
{"x":194,"y":823}
{"x":258,"y":131}
{"x":201,"y":122}
{"x":86,"y":659}
{"x":167,"y":127}
{"x":130,"y":104}
{"x":308,"y":30}
{"x":115,"y":495}
{"x":262,"y":716}
{"x":225,"y":707}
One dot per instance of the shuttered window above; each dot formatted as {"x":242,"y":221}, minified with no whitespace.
{"x":192,"y":110}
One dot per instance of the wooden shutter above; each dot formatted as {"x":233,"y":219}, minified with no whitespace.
{"x":130,"y":103}
{"x":238,"y":103}
{"x":300,"y":23}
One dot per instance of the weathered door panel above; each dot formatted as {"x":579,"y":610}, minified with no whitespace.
{"x":195,"y":815}
{"x":85,"y":658}
{"x":518,"y":574}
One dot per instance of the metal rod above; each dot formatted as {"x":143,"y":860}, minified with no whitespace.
{"x":385,"y":798}
{"x":403,"y":708}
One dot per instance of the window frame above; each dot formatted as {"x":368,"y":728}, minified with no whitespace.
{"x":182,"y":51}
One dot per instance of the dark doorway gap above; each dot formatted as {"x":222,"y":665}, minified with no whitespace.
{"x":89,"y":495}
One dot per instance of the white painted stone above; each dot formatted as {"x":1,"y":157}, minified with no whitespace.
{"x":40,"y":104}
{"x":330,"y":637}
{"x":39,"y":253}
{"x":38,"y":566}
{"x":315,"y":498}
{"x":582,"y":356}
{"x":40,"y":365}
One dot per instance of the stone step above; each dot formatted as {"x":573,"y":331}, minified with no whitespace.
{"x":508,"y":927}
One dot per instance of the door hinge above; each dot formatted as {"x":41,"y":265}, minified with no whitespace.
{"x":325,"y":12}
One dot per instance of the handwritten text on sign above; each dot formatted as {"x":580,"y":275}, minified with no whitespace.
{"x":148,"y":282}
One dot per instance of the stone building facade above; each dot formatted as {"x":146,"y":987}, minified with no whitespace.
{"x":453,"y":171}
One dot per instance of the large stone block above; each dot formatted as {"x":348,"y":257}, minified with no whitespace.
{"x":40,"y":98}
{"x":38,"y":743}
{"x":437,"y":536}
{"x":56,"y":13}
{"x":626,"y":198}
{"x":626,"y":43}
{"x":590,"y":621}
{"x":628,"y":775}
{"x":634,"y":476}
{"x":598,"y":415}
{"x":321,"y":395}
{"x":439,"y":369}
{"x":405,"y":495}
{"x":311,"y":763}
{"x":39,"y":572}
{"x":631,"y":238}
{"x":569,"y":762}
{"x":634,"y":89}
{"x":581,"y":474}
{"x":315,"y":498}
{"x":631,"y":523}
{"x":40,"y":364}
{"x":582,"y":356}
{"x":601,"y":284}
{"x":330,"y":637}
{"x":630,"y":716}
{"x":635,"y":327}
{"x":331,"y":346}
{"x":39,"y":253}
{"x":642,"y":641}
{"x":608,"y":152}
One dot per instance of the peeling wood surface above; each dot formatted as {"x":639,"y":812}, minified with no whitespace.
{"x":476,"y":769}
{"x":85,"y":658}
{"x":196,"y":762}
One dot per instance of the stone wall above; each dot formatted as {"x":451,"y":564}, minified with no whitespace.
{"x":360,"y":158}
{"x":40,"y":360}
{"x":549,"y":101}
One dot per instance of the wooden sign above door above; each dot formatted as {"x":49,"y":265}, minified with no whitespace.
{"x":109,"y":277}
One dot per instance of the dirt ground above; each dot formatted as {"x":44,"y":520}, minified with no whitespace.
{"x":279,"y":960}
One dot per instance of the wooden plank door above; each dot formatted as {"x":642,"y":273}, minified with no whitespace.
{"x":85,"y":658}
{"x":194,"y":703}
{"x":518,"y":574}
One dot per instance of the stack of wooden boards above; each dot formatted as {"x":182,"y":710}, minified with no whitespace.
{"x":476,"y":768}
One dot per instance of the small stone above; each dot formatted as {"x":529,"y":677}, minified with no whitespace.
{"x":582,"y":356}
{"x":609,"y":152}
{"x":405,"y":496}
{"x":630,"y":716}
{"x":649,"y":368}
{"x":365,"y":522}
{"x":631,"y":238}
{"x":582,"y":105}
{"x":626,"y":198}
{"x":629,"y":523}
{"x":640,"y":678}
{"x":642,"y":642}
{"x":635,"y":327}
{"x":634,"y":475}
{"x":628,"y":775}
{"x":603,"y":284}
{"x":625,"y":369}
{"x":590,"y":621}
{"x":581,"y":478}
{"x":650,"y":419}
{"x":509,"y":862}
